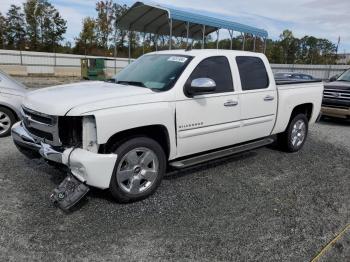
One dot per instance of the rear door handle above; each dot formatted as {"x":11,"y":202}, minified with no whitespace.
{"x":269,"y":98}
{"x":231,"y":103}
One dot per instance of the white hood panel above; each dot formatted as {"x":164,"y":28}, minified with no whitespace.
{"x":59,"y":100}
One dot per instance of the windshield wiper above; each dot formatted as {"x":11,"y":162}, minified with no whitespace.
{"x":132,"y":83}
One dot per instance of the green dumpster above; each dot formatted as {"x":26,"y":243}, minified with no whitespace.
{"x":93,"y":69}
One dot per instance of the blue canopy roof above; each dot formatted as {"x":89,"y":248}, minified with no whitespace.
{"x":151,"y":18}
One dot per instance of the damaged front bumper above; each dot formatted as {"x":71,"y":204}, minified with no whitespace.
{"x":91,"y":168}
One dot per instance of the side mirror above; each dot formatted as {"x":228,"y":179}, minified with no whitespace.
{"x":201,"y":86}
{"x":333,"y":78}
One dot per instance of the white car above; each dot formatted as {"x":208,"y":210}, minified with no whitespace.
{"x":11,"y":96}
{"x":172,"y":108}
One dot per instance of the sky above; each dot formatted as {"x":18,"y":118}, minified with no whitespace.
{"x":321,"y":18}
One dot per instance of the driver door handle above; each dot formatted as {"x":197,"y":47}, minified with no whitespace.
{"x":269,"y":98}
{"x":231,"y":103}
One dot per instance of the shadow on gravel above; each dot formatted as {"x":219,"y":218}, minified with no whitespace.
{"x":176,"y":174}
{"x":334,"y":121}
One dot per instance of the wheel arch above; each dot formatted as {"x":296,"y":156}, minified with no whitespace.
{"x":306,"y":109}
{"x":13,"y":111}
{"x":286,"y":115}
{"x":158,"y":133}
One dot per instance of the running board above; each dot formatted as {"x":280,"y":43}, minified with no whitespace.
{"x":220,"y":154}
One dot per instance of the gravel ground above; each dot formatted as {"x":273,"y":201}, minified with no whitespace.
{"x":263,"y":205}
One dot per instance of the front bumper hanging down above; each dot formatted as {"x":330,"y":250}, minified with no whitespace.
{"x":91,"y":168}
{"x":88,"y":168}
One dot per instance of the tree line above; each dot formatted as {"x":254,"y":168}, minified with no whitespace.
{"x":38,"y":26}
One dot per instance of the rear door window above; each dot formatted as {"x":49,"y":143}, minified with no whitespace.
{"x":252,"y":72}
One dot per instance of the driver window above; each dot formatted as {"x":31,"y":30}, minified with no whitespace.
{"x":216,"y":68}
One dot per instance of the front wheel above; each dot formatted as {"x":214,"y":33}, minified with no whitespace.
{"x":293,"y":139}
{"x":138,"y":171}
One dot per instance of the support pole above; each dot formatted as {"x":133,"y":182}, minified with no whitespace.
{"x":55,"y":61}
{"x":129,"y":47}
{"x":156,"y":42}
{"x":20,"y":53}
{"x":243,"y":46}
{"x":254,"y":44}
{"x":171,"y":34}
{"x":203,"y":42}
{"x":115,"y":52}
{"x":231,"y":35}
{"x":188,"y":33}
{"x":143,"y":44}
{"x":217,"y":39}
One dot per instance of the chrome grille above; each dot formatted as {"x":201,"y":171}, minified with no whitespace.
{"x":337,"y":94}
{"x":43,"y":128}
{"x":38,"y":117}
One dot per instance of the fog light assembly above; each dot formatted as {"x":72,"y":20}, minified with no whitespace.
{"x":69,"y":193}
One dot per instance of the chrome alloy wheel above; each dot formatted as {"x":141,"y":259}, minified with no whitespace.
{"x":137,"y":171}
{"x":5,"y":123}
{"x":298,"y":133}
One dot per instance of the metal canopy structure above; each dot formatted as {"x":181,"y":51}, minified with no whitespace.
{"x":160,"y":20}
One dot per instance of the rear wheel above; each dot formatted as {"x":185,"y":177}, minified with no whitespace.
{"x":139,"y":169}
{"x":293,"y":139}
{"x":7,"y":119}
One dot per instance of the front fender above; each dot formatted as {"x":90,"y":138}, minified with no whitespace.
{"x":115,"y":120}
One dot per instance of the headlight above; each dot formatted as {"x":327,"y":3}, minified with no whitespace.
{"x":78,"y":131}
{"x":90,"y":134}
{"x":70,"y":129}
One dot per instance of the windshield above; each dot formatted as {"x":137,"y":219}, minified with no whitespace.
{"x":156,"y":72}
{"x":345,"y":76}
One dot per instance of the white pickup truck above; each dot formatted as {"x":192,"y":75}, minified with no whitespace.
{"x":167,"y":109}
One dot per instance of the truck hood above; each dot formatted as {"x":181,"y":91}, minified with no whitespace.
{"x":59,"y":100}
{"x":338,"y":85}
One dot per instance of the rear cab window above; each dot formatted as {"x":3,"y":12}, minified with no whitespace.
{"x":253,"y":73}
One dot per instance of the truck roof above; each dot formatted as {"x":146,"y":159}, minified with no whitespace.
{"x":200,"y":52}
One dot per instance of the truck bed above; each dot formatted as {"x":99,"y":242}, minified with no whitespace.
{"x":294,"y":93}
{"x":289,"y":82}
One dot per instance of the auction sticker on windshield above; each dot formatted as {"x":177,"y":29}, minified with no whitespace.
{"x":179,"y":59}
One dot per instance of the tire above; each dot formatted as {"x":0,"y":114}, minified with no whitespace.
{"x":7,"y":120}
{"x":139,"y":169}
{"x":293,"y":139}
